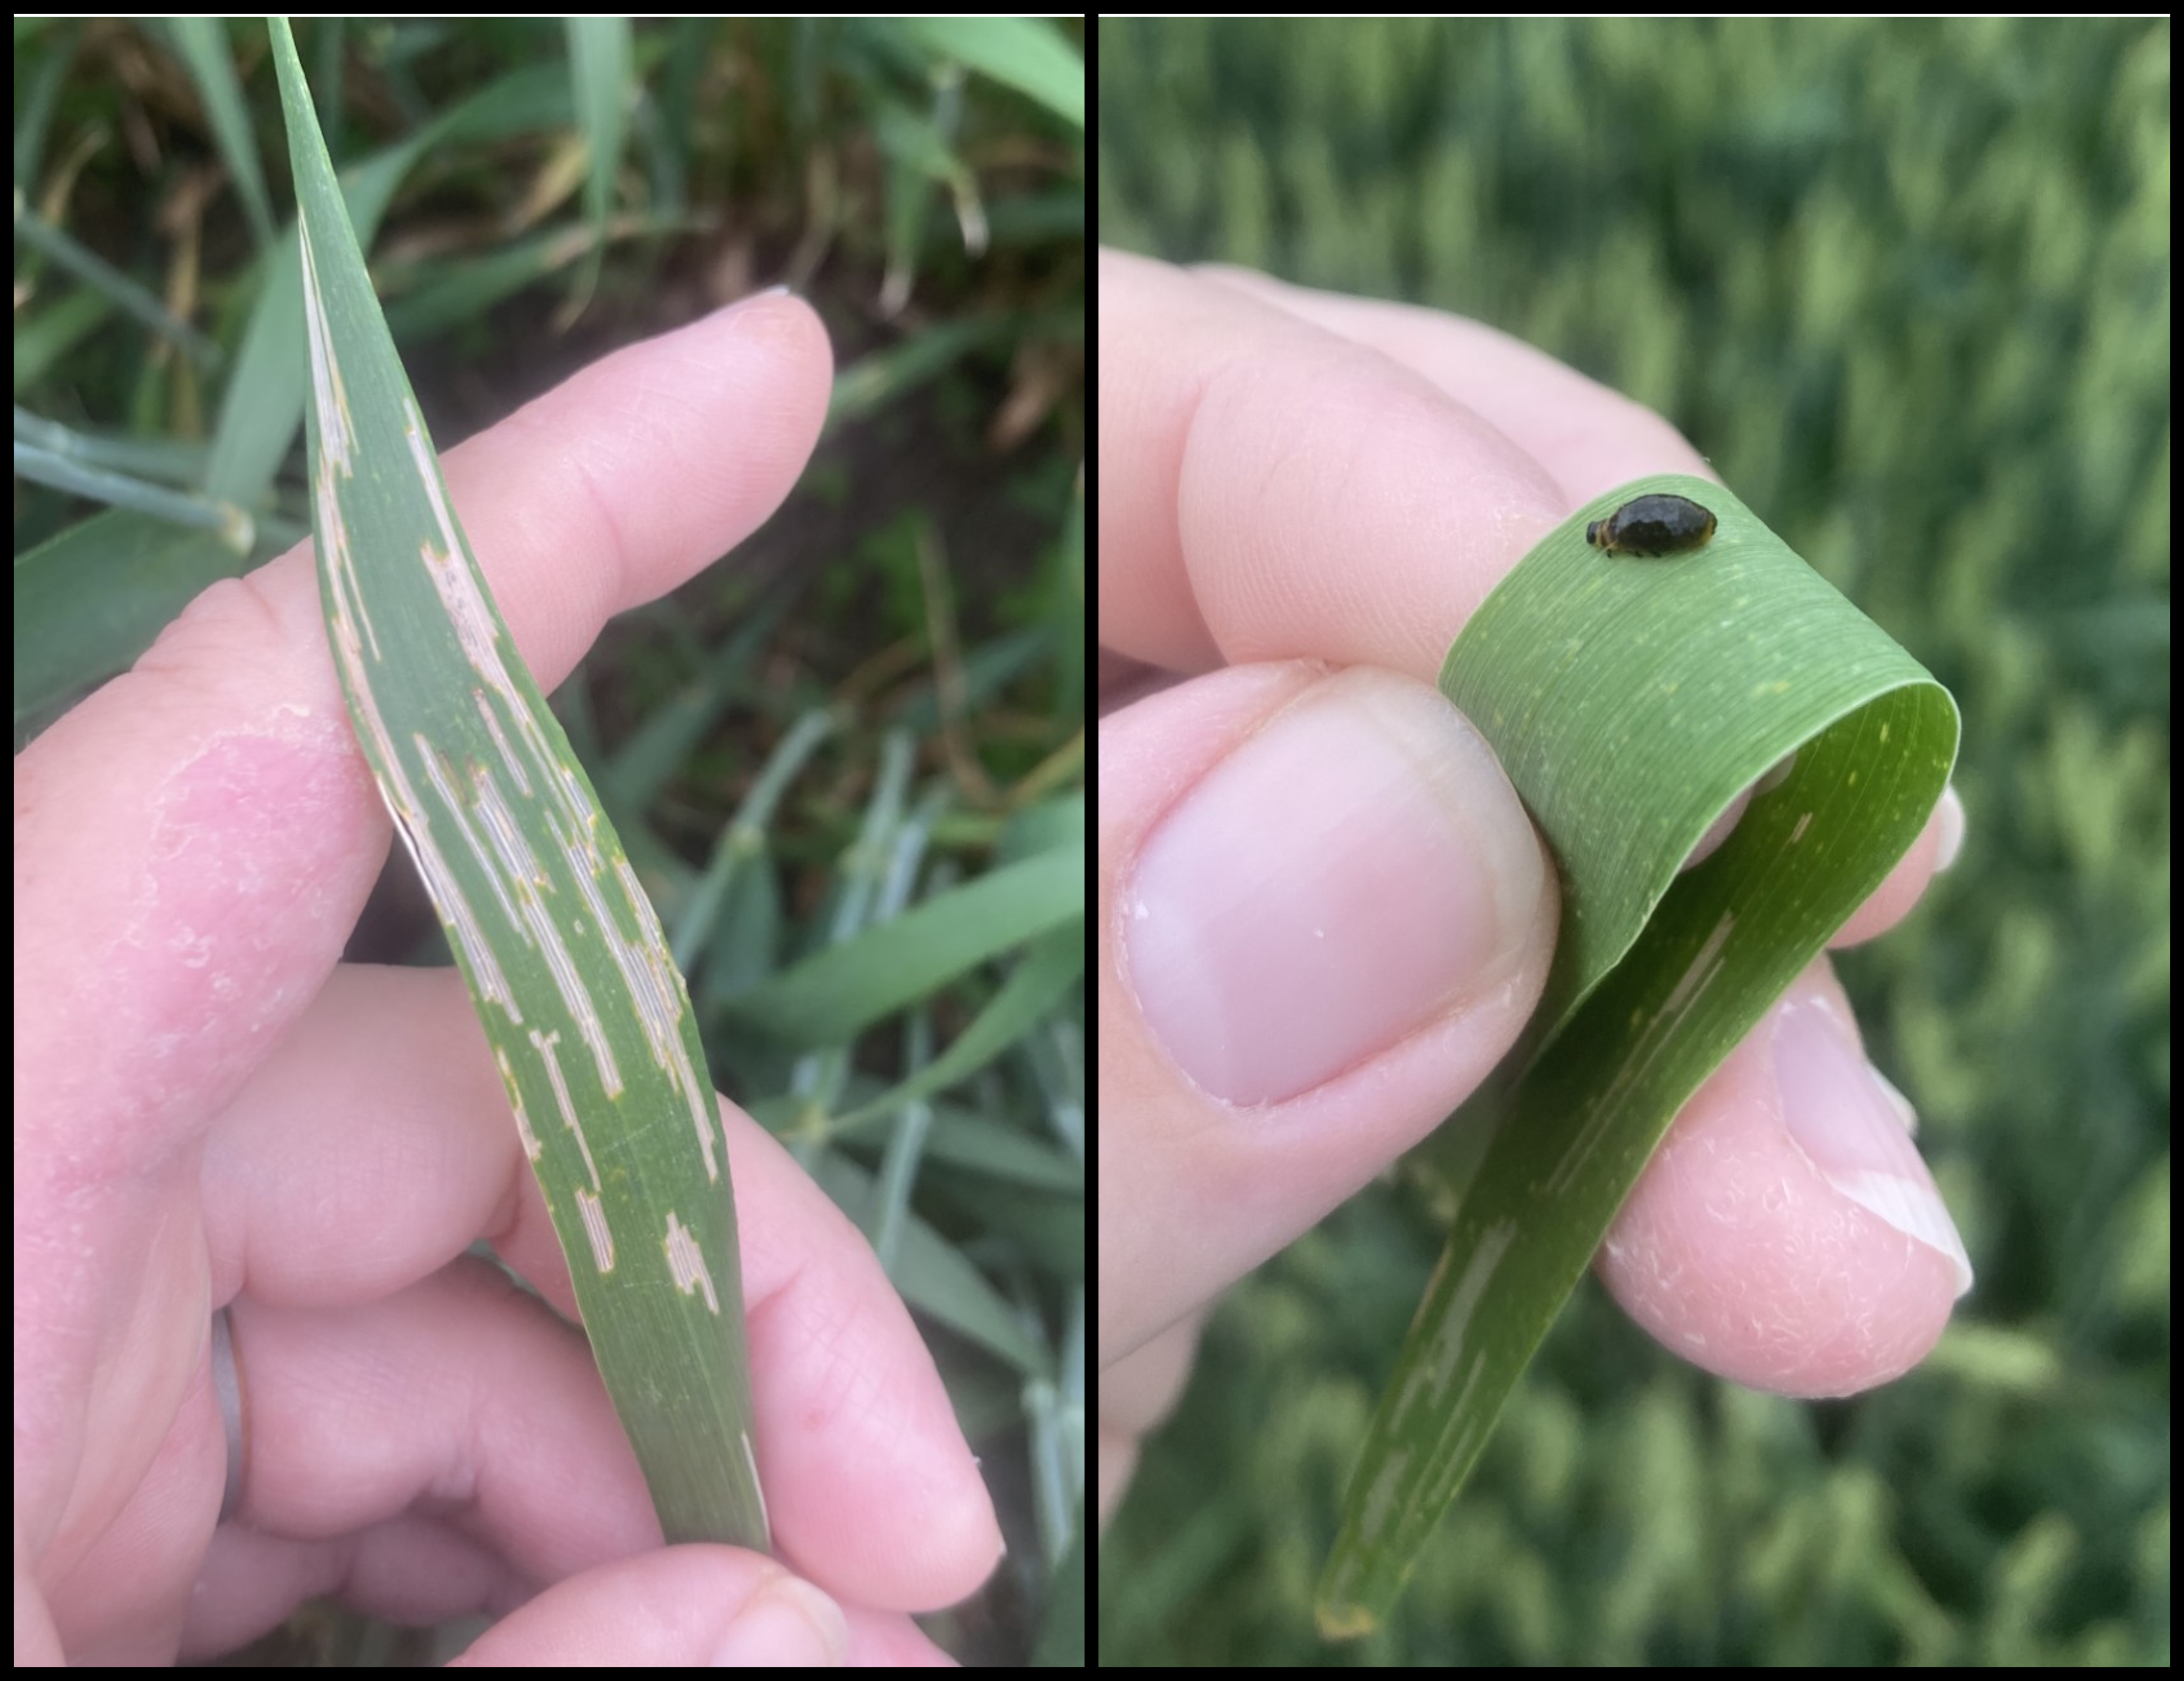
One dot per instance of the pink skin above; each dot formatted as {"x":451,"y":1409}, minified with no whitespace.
{"x":1323,"y":914}
{"x":210,"y":1109}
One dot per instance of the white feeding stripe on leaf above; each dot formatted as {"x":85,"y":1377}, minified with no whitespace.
{"x":459,"y":587}
{"x":658,"y":994}
{"x":533,"y":1149}
{"x":686,"y":1263}
{"x":440,"y":775}
{"x":595,"y":1227}
{"x":492,"y":721}
{"x":519,"y":863}
{"x":328,"y":395}
{"x":550,"y":1061}
{"x":413,"y":822}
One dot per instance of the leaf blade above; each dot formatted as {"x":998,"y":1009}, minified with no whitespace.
{"x":565,"y":961}
{"x":1632,"y":702}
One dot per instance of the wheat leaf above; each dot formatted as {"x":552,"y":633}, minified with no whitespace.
{"x":565,"y":961}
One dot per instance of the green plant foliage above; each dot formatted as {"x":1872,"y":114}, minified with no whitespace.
{"x":788,"y":768}
{"x":567,"y":965}
{"x":1683,"y":681}
{"x":1907,"y":285}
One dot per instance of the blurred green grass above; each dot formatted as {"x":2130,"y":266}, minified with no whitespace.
{"x":872,"y":707}
{"x":1907,"y":286}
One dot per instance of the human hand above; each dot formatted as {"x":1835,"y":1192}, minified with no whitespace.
{"x":1324,"y":913}
{"x":210,"y":1109}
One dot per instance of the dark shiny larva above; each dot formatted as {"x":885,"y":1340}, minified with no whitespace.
{"x":1653,"y":526}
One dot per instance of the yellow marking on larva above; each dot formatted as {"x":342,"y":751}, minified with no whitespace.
{"x":594,"y":1215}
{"x":686,"y":1263}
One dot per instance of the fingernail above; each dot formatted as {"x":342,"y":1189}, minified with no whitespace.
{"x":1355,"y":869}
{"x":785,"y":1624}
{"x":1857,"y":1127}
{"x":1952,"y":828}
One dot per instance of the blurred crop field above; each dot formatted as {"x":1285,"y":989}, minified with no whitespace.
{"x":1907,"y":286}
{"x":872,"y":706}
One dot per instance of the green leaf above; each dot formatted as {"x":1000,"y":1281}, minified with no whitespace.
{"x":1632,"y":701}
{"x":1030,"y":54}
{"x":833,"y":994}
{"x":565,"y":961}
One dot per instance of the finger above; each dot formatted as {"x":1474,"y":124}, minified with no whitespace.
{"x":698,"y":1605}
{"x":194,"y":841}
{"x":203,"y":828}
{"x":1288,"y":473}
{"x":470,"y":1462}
{"x":1269,"y":490}
{"x":1286,"y":476}
{"x":1934,"y":851}
{"x":1136,"y":1394}
{"x":1786,"y":1234}
{"x":107,"y":1591}
{"x":1324,"y":919}
{"x":221,"y":764}
{"x":1586,"y":434}
{"x":435,"y":1452}
{"x":343,"y":1172}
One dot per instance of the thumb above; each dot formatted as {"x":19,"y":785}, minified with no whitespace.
{"x":694,"y":1605}
{"x":1324,"y":917}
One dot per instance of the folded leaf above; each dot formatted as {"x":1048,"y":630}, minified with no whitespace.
{"x":1633,"y":696}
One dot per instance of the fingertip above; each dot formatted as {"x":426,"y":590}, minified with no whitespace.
{"x":784,"y":1624}
{"x":1786,"y":1235}
{"x":691,"y":1606}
